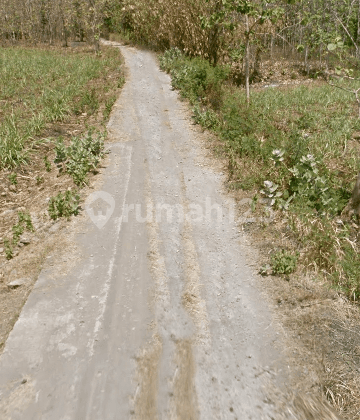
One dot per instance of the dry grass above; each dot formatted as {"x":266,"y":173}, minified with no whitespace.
{"x":322,"y":327}
{"x":322,"y":331}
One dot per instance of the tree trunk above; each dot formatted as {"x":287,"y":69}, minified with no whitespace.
{"x":247,"y":60}
{"x":96,"y":40}
{"x":96,"y":45}
{"x":306,"y":64}
{"x":65,"y":33}
{"x":214,"y":39}
{"x":358,"y":30}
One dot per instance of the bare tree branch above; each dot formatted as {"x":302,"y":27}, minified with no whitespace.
{"x":348,"y":33}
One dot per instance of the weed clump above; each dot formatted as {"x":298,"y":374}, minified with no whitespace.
{"x":282,"y":262}
{"x":80,"y":157}
{"x":47,"y":164}
{"x":64,"y":205}
{"x":108,"y":107}
{"x":24,"y":223}
{"x":13,"y":178}
{"x":88,"y":102}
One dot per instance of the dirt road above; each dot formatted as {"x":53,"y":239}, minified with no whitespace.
{"x":157,"y":314}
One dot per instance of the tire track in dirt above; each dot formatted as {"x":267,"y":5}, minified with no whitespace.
{"x":185,"y":404}
{"x":191,"y":298}
{"x":180,"y":393}
{"x":146,"y":394}
{"x":148,"y":360}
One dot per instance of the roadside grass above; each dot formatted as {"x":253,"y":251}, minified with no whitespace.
{"x":40,"y":86}
{"x":54,"y":104}
{"x":297,"y":148}
{"x":294,"y":146}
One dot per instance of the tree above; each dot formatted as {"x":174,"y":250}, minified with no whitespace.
{"x":244,"y":14}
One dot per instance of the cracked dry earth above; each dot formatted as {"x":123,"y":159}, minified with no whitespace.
{"x":157,"y":315}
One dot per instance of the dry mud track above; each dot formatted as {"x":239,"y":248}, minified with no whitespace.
{"x":159,"y":317}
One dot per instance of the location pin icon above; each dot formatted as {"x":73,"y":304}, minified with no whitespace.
{"x":100,"y":206}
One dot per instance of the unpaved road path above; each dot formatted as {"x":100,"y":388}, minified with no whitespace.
{"x":160,"y":317}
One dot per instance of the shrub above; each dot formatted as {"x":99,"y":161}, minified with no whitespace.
{"x":206,"y":118}
{"x":167,"y":59}
{"x":314,"y":189}
{"x":196,"y":78}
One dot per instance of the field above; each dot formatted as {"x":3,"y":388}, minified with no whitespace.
{"x":39,"y":87}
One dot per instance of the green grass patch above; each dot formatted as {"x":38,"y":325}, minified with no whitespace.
{"x":39,"y":86}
